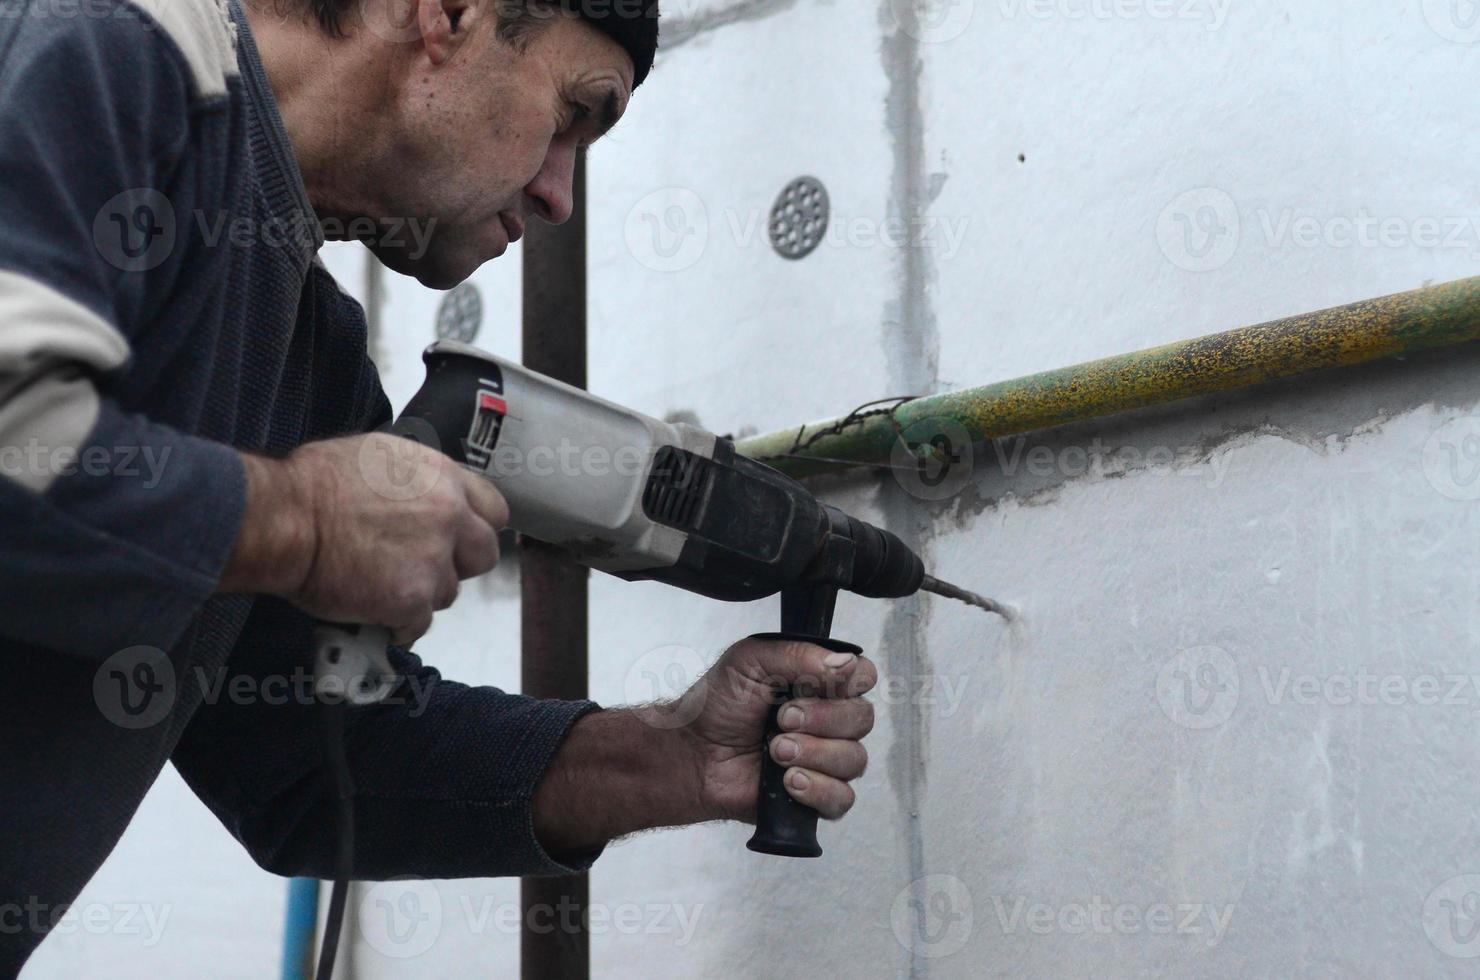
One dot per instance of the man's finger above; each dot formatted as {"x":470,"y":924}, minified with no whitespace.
{"x":476,"y":552}
{"x":853,"y":718}
{"x":485,"y":500}
{"x":828,"y":796}
{"x":836,"y":757}
{"x":404,"y":636}
{"x":851,"y":680}
{"x":447,"y":592}
{"x":811,"y":669}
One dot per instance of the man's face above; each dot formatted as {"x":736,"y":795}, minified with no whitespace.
{"x":485,"y":136}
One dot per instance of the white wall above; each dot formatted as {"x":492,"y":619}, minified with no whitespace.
{"x":1057,"y":769}
{"x":1155,"y":771}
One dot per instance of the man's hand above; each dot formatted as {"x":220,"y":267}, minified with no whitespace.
{"x":370,"y":529}
{"x":823,"y":728}
{"x":699,"y":758}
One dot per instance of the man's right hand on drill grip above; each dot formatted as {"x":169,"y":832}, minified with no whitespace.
{"x":371,"y":529}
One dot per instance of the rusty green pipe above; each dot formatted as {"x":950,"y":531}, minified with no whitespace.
{"x":1436,"y":316}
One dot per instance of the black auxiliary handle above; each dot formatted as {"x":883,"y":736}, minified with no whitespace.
{"x":783,"y":826}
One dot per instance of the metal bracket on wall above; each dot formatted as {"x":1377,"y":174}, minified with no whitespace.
{"x":461,"y":314}
{"x":799,"y":218}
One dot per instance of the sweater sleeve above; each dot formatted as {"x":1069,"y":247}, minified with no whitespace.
{"x":116,"y":527}
{"x":444,"y":773}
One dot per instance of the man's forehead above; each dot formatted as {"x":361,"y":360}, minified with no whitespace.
{"x":603,"y":56}
{"x":631,"y":24}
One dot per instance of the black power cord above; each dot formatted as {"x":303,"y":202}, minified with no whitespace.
{"x":331,"y":723}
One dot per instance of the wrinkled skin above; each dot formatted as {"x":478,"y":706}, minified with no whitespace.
{"x":447,"y":125}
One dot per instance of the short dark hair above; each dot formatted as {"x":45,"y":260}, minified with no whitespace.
{"x":517,"y":19}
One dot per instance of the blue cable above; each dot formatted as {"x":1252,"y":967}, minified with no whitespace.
{"x":301,"y":928}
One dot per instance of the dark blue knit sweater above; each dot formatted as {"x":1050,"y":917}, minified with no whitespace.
{"x":159,"y":305}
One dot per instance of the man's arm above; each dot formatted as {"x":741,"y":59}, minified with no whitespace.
{"x":618,"y":772}
{"x":88,"y":525}
{"x":453,"y":781}
{"x":698,"y":759}
{"x":444,"y":773}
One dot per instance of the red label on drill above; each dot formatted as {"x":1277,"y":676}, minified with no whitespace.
{"x":488,"y":422}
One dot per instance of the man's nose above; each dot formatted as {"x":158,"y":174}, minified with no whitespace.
{"x":552,"y":191}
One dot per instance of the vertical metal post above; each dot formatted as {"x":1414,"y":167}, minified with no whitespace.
{"x":554,"y":943}
{"x":374,"y":284}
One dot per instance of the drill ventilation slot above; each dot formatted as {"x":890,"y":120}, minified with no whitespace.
{"x":675,"y":491}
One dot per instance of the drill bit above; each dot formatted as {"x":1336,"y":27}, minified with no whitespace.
{"x":936,"y":586}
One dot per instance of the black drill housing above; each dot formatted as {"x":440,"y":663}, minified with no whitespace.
{"x":753,"y":531}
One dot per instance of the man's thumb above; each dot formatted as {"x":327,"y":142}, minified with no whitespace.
{"x":811,"y":665}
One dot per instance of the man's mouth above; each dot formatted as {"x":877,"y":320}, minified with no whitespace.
{"x":512,"y":225}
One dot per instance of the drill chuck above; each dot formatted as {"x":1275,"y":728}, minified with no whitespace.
{"x":884,"y":567}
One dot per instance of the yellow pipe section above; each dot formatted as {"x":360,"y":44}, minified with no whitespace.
{"x":1436,"y":316}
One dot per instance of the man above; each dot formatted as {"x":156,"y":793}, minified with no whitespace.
{"x":186,"y":484}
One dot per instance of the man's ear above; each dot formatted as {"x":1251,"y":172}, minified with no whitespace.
{"x":446,"y":24}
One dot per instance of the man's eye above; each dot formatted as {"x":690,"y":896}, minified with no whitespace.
{"x":579,"y":113}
